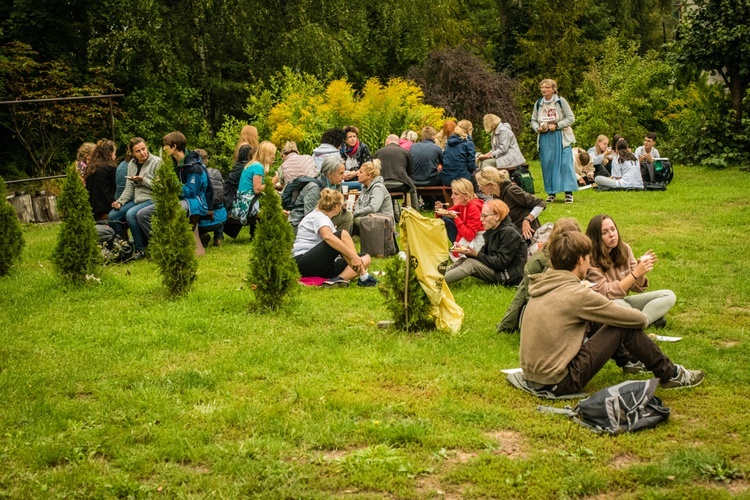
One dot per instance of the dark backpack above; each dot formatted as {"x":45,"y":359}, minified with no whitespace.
{"x":626,"y":407}
{"x":292,"y":190}
{"x":113,"y":247}
{"x":663,"y":171}
{"x":656,"y":175}
{"x":217,"y":184}
{"x":522,"y":177}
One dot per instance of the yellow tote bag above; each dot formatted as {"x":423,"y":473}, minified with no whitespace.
{"x":426,"y":243}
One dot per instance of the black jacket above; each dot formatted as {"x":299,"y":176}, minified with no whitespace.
{"x":504,"y":250}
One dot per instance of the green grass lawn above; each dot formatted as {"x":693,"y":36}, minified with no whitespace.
{"x":111,"y":390}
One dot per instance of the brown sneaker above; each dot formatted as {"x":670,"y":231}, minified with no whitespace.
{"x":684,"y":378}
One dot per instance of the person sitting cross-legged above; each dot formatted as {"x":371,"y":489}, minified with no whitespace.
{"x":553,"y":354}
{"x":322,"y":251}
{"x":501,"y":258}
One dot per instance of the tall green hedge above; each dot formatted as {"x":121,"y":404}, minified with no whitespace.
{"x":172,"y":244}
{"x":77,"y":252}
{"x":273,"y":274}
{"x":11,"y":237}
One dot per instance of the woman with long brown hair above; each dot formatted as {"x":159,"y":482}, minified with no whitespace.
{"x":99,"y":177}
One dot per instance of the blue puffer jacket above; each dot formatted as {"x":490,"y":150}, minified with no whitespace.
{"x":459,"y":159}
{"x":194,"y":181}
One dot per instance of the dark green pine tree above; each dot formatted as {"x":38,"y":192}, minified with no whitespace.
{"x":172,"y":245}
{"x":11,"y":237}
{"x":77,"y":252}
{"x":273,"y":274}
{"x":417,"y":318}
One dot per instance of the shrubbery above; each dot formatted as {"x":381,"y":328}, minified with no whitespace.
{"x":272,"y":272}
{"x":304,"y":108}
{"x":419,"y":306}
{"x":77,"y":252}
{"x":172,"y":244}
{"x":11,"y":237}
{"x":623,"y":93}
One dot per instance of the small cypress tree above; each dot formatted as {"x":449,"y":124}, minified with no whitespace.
{"x":172,"y":245}
{"x":273,"y":274}
{"x":77,"y":252}
{"x":11,"y":237}
{"x":392,"y":288}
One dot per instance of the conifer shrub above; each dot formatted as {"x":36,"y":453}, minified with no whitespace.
{"x":172,"y":244}
{"x":77,"y":252}
{"x":272,"y":274}
{"x":392,"y":288}
{"x":11,"y":237}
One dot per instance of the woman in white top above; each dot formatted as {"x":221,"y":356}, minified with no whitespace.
{"x":626,"y":171}
{"x":320,"y":250}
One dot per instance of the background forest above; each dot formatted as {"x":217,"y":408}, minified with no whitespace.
{"x":296,"y":67}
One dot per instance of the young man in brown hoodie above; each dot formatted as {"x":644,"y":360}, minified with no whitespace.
{"x":553,"y":354}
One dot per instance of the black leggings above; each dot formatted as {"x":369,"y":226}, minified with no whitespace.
{"x":321,"y":260}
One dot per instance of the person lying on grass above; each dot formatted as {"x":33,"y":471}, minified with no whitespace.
{"x":320,"y":250}
{"x":553,"y":354}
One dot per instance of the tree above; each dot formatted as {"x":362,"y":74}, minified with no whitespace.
{"x":715,"y":36}
{"x":77,"y":252}
{"x":172,"y":245}
{"x":11,"y":237}
{"x":272,"y":274}
{"x":462,"y":84}
{"x":412,"y":315}
{"x":46,"y":130}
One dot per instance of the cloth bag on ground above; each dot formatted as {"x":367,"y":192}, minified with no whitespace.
{"x":377,"y":235}
{"x":424,"y":240}
{"x":626,"y":407}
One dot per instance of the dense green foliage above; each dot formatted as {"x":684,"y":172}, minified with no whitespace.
{"x":412,"y":314}
{"x":11,"y":237}
{"x":272,"y":276}
{"x":208,"y":68}
{"x":623,"y":93}
{"x":77,"y":253}
{"x":110,"y":391}
{"x":715,"y":36}
{"x":172,"y":244}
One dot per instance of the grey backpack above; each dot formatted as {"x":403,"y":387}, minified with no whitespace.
{"x":626,"y":407}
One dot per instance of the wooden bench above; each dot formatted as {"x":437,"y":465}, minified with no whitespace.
{"x":444,"y":191}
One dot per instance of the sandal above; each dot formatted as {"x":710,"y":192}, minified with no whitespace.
{"x":568,"y":198}
{"x":551,"y":198}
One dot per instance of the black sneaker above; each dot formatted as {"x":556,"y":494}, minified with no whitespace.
{"x":140,"y":254}
{"x":684,"y":378}
{"x":660,"y":323}
{"x":205,"y":239}
{"x":370,"y":281}
{"x":337,"y":282}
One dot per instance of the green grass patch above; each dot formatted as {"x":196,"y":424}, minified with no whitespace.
{"x":112,"y":390}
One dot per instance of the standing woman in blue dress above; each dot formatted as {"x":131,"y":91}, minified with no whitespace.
{"x":551,"y":120}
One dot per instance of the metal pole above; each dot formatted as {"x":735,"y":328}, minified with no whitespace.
{"x":112,"y":118}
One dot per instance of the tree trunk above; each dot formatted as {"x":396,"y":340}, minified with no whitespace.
{"x":23,"y":207}
{"x":737,"y":90}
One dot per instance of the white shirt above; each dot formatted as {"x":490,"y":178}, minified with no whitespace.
{"x":641,"y":150}
{"x":308,"y":232}
{"x":630,"y":171}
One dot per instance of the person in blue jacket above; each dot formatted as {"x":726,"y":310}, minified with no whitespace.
{"x":192,"y":175}
{"x":459,"y":156}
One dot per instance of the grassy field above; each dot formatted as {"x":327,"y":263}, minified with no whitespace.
{"x":112,"y":391}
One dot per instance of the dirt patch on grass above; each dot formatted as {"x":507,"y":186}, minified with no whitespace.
{"x":737,"y":487}
{"x":623,"y":461}
{"x":511,"y":443}
{"x":430,"y":485}
{"x":726,"y":344}
{"x":335,"y":454}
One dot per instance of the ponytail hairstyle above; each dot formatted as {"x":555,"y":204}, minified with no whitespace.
{"x":622,"y":152}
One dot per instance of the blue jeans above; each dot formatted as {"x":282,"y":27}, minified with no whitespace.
{"x":128,"y":211}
